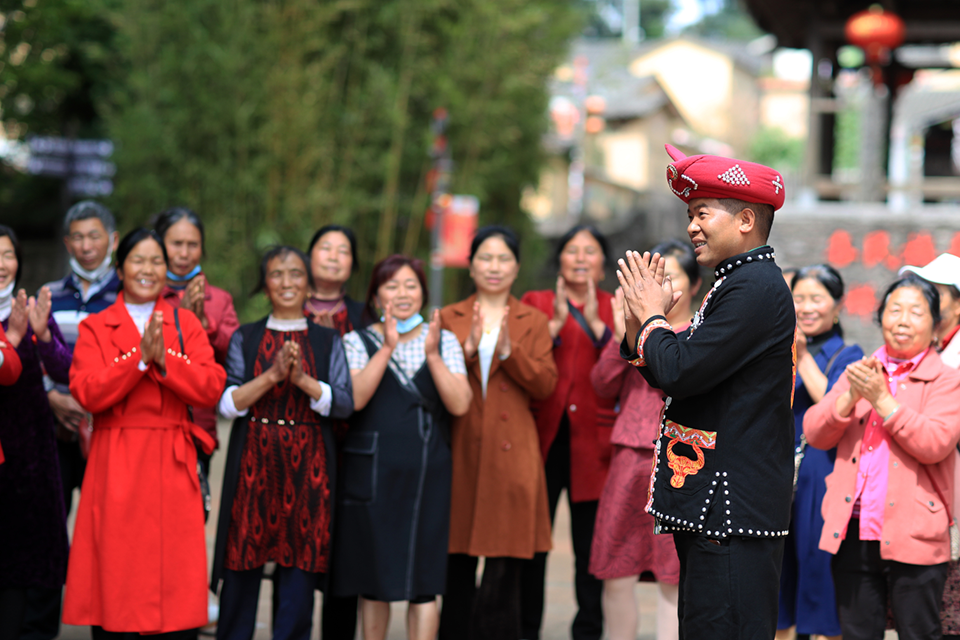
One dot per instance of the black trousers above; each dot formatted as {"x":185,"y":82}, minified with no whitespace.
{"x":490,"y":611}
{"x":13,"y":602}
{"x":98,"y":633}
{"x":865,"y":582}
{"x":729,"y":588}
{"x":588,"y":623}
{"x":338,"y":618}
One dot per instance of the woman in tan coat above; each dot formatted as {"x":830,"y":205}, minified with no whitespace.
{"x":499,"y":503}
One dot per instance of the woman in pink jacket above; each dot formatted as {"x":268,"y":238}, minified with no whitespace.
{"x":895,"y":419}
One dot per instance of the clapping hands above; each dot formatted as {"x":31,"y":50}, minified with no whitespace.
{"x":193,"y":297}
{"x":152,"y":348}
{"x":287,"y":364}
{"x":19,"y":319}
{"x":867,"y":380}
{"x":646,"y":292}
{"x":431,"y":344}
{"x":30,"y":311}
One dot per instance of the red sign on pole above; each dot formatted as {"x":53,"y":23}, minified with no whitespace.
{"x":458,"y":226}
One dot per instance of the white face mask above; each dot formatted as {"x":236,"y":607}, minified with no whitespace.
{"x":91,"y":276}
{"x":6,"y":301}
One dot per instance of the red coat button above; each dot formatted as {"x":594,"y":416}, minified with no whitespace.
{"x":504,"y":386}
{"x":504,"y":415}
{"x":505,"y":446}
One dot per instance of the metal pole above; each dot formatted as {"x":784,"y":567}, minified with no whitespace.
{"x":442,"y":166}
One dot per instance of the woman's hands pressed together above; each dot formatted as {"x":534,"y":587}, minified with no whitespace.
{"x":868,"y":380}
{"x":151,"y":344}
{"x":282,"y":363}
{"x":193,"y":297}
{"x":646,"y":292}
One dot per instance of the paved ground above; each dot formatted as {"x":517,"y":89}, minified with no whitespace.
{"x":560,"y":600}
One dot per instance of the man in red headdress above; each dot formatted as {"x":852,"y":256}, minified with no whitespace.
{"x":723,"y":480}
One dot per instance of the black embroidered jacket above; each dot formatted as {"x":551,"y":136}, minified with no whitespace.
{"x":725,"y":451}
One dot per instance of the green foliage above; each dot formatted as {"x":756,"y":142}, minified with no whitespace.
{"x":846,"y":146}
{"x":273,"y":117}
{"x":729,"y":21}
{"x":52,"y":70}
{"x":772,"y":146}
{"x":50,"y":53}
{"x":654,"y":15}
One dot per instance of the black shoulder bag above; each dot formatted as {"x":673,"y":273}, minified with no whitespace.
{"x":201,"y":476}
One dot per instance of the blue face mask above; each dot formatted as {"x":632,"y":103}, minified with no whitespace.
{"x":187,"y":278}
{"x":408,"y":325}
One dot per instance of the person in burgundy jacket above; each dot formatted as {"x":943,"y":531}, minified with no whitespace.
{"x":625,"y":548}
{"x":187,"y":288}
{"x":574,"y":423}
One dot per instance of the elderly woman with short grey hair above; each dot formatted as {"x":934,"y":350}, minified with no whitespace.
{"x":895,"y":421}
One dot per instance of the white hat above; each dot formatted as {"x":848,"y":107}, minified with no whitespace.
{"x":944,"y":269}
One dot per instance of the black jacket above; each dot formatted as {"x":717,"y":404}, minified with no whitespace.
{"x":729,"y":379}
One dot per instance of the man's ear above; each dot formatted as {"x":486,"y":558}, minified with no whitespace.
{"x":748,"y":220}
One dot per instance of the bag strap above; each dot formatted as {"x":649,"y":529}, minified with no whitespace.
{"x":405,"y":381}
{"x":833,"y":358}
{"x":581,"y":320}
{"x":936,"y":488}
{"x":176,"y":321}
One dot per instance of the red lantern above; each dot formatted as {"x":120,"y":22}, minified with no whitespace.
{"x":876,"y":31}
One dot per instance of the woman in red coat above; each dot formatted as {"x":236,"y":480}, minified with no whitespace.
{"x":574,"y":423}
{"x":138,"y":562}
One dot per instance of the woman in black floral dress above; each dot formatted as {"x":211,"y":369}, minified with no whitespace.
{"x":286,"y":380}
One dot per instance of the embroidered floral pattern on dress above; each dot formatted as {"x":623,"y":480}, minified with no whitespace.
{"x":281,"y":511}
